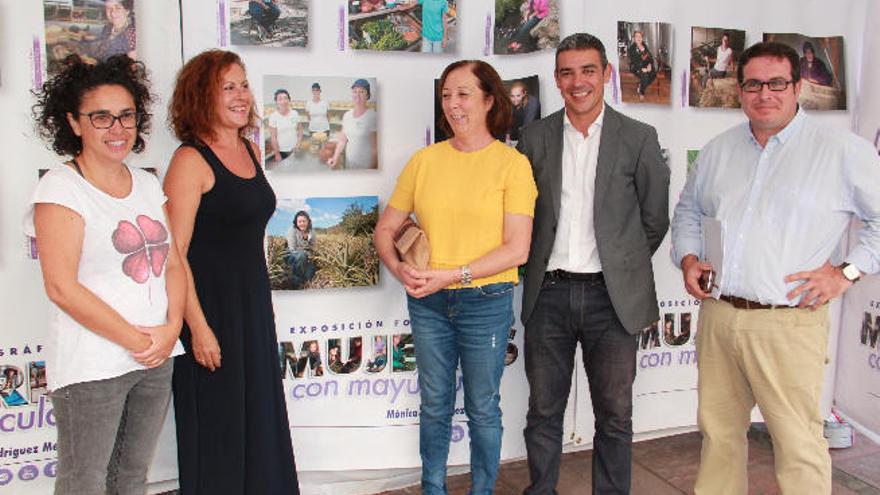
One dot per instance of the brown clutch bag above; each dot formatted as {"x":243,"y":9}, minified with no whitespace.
{"x":412,"y":244}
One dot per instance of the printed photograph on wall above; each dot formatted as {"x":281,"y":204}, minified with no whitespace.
{"x":323,"y":243}
{"x":714,"y":56}
{"x":318,"y":124}
{"x":823,"y":81}
{"x":524,"y":96}
{"x":38,"y":384}
{"x":523,"y":26}
{"x":92,"y":29}
{"x":427,"y":26}
{"x":644,"y":52}
{"x":12,"y":386}
{"x":269,"y":22}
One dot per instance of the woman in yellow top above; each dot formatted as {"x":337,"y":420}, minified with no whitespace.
{"x":475,"y":199}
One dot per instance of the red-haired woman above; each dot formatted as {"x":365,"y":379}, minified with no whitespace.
{"x":232,"y":428}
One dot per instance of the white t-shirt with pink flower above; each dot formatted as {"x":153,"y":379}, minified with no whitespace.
{"x":124,"y":250}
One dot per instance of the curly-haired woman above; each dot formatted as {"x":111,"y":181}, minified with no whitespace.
{"x":117,"y":287}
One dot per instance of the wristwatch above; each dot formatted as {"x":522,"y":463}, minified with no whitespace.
{"x":466,"y":278}
{"x":851,"y":272}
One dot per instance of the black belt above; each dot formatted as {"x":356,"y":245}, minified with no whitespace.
{"x":580,"y":277}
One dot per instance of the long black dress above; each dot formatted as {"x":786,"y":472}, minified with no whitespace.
{"x":232,"y":430}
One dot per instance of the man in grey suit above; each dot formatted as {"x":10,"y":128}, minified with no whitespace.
{"x":602,"y":211}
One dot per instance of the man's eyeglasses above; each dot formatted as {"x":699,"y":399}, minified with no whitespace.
{"x":755,"y":86}
{"x":105,"y":120}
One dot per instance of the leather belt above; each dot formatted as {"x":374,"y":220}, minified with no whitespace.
{"x":580,"y":277}
{"x":742,"y":303}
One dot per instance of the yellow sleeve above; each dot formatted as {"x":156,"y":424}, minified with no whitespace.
{"x":519,"y":188}
{"x":403,"y":197}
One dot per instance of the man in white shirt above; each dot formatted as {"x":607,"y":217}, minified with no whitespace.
{"x":602,"y":211}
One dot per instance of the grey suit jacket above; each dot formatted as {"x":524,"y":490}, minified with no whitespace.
{"x":631,"y":210}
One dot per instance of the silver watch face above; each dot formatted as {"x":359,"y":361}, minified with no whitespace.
{"x":851,"y":272}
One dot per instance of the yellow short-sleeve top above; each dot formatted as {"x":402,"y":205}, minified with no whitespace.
{"x":460,"y":199}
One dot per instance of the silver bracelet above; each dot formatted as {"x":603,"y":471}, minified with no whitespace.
{"x":465,"y":272}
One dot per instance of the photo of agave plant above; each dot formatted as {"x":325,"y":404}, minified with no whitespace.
{"x":322,"y":243}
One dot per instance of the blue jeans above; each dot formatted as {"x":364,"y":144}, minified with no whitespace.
{"x":471,"y":326}
{"x":108,"y":429}
{"x":302,"y":269}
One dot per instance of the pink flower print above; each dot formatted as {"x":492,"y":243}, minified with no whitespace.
{"x":145,"y":246}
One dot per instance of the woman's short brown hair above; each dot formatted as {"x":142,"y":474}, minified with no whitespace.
{"x":193,"y":111}
{"x":499,"y":118}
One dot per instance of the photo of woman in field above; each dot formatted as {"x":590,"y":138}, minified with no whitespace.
{"x":322,"y":243}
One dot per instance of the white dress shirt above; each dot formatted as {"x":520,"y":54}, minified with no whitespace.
{"x":574,"y":249}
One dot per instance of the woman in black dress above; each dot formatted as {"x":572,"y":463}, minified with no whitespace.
{"x":232,"y":428}
{"x":641,"y":63}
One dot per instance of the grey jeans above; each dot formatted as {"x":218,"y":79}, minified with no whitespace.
{"x":107,"y":431}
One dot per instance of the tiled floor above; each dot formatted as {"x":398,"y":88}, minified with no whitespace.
{"x":669,"y":466}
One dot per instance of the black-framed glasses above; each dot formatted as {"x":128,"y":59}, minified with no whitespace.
{"x":105,"y":120}
{"x":756,"y":86}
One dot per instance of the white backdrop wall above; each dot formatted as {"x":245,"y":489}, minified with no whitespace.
{"x":374,"y":452}
{"x":857,"y":391}
{"x":24,"y":309}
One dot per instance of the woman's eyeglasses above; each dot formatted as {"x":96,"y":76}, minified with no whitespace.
{"x":106,"y":120}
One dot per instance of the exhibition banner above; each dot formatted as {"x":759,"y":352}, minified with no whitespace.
{"x":351,"y":381}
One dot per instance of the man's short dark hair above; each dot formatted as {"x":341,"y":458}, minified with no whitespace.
{"x":582,"y":41}
{"x":771,"y":49}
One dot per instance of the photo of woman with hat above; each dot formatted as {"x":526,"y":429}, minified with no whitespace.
{"x":358,"y":137}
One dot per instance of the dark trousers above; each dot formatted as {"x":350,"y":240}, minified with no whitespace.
{"x":645,"y":80}
{"x":568,"y":312}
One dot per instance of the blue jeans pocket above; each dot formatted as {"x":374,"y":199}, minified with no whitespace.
{"x":495,"y":290}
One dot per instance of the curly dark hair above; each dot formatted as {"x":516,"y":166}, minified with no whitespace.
{"x":63,"y":94}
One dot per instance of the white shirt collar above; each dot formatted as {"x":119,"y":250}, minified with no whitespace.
{"x":594,"y":127}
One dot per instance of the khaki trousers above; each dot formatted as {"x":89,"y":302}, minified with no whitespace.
{"x":775,"y":358}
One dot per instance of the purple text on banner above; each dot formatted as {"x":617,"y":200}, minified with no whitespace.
{"x":487,"y":49}
{"x":341,"y":39}
{"x":684,"y":88}
{"x":221,"y":24}
{"x":38,"y":64}
{"x":615,"y":95}
{"x":428,"y":136}
{"x":877,"y":141}
{"x":32,"y":248}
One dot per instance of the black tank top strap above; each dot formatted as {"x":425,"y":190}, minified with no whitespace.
{"x":214,"y":161}
{"x":207,"y":153}
{"x":250,"y":150}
